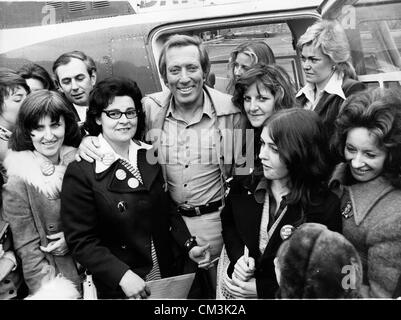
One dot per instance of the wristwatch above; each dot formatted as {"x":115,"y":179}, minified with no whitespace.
{"x":190,"y":243}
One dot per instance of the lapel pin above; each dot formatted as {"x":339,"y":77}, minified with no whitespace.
{"x":346,"y":211}
{"x":122,"y":206}
{"x":47,"y":168}
{"x":121,"y":174}
{"x":133,"y":183}
{"x":286,"y":231}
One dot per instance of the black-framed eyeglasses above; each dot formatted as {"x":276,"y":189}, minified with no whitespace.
{"x":116,"y":114}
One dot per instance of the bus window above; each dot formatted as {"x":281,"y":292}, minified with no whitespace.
{"x":220,"y":43}
{"x":374,"y":32}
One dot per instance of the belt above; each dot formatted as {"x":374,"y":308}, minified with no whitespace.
{"x":191,"y":211}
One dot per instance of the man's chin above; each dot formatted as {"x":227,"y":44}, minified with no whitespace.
{"x":80,"y":103}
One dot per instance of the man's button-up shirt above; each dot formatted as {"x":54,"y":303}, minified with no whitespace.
{"x":190,"y":155}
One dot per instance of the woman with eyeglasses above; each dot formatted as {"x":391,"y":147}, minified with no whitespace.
{"x":115,"y":211}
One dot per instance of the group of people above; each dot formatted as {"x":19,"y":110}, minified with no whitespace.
{"x":263,"y":192}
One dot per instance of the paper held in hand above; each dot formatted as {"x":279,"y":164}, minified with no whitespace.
{"x":171,"y":288}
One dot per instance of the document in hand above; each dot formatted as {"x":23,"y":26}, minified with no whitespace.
{"x":171,"y":288}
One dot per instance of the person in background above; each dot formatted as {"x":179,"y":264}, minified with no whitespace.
{"x":330,"y":76}
{"x":256,"y":218}
{"x":368,"y":138}
{"x":115,"y":211}
{"x":243,"y":57}
{"x":75,"y":74}
{"x":36,"y":77}
{"x":316,"y":263}
{"x":42,"y":144}
{"x":13,"y":91}
{"x":259,"y":92}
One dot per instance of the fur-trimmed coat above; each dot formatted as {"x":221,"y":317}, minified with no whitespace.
{"x":31,"y":203}
{"x":373,"y":226}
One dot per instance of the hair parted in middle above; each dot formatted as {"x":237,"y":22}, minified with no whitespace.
{"x":182,"y":40}
{"x":272,"y":77}
{"x":35,"y":107}
{"x":378,"y":111}
{"x":103,"y":94}
{"x":258,"y":51}
{"x":302,"y":145}
{"x":330,"y":37}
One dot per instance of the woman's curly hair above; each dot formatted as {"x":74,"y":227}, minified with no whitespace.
{"x":379,"y":111}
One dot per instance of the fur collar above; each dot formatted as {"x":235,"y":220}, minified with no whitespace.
{"x":26,"y":166}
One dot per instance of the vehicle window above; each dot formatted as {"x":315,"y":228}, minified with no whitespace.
{"x":221,"y":42}
{"x":374,"y":31}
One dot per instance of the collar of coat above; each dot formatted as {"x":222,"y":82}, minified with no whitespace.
{"x":105,"y":148}
{"x":217,"y":98}
{"x":364,"y":196}
{"x":147,"y":170}
{"x":26,"y":166}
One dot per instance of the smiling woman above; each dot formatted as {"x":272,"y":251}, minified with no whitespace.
{"x":42,"y":145}
{"x":124,"y":239}
{"x":368,"y":137}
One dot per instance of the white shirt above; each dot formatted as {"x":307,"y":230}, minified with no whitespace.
{"x":333,"y":86}
{"x":81,"y":112}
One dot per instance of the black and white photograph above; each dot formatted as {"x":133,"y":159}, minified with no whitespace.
{"x":208,"y":157}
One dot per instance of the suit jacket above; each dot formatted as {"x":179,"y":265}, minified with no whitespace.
{"x":109,"y":226}
{"x":241,"y":218}
{"x":329,"y":105}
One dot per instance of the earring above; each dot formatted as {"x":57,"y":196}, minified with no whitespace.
{"x":333,"y":67}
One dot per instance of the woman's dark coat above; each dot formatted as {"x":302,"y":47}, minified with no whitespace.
{"x":329,"y":105}
{"x":108,"y":225}
{"x":241,"y":218}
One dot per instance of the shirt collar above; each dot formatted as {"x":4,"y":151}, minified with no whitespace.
{"x":333,"y":86}
{"x":263,"y":189}
{"x":106,"y":149}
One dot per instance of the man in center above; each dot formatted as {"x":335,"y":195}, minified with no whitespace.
{"x":197,"y":131}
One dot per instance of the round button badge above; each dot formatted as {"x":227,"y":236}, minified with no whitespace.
{"x":286,"y":231}
{"x":133,"y":183}
{"x":121,"y":174}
